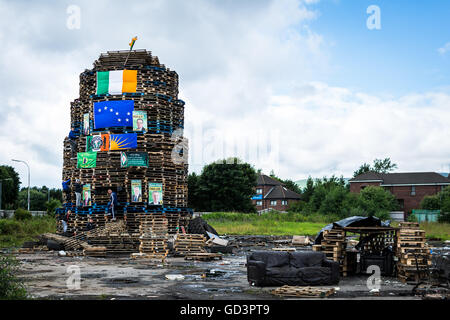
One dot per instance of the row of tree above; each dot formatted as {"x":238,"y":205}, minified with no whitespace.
{"x":41,"y":198}
{"x":440,"y":201}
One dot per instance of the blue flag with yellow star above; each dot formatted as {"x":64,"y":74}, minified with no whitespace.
{"x":109,"y":114}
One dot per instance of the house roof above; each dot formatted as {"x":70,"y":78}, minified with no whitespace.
{"x":405,"y":178}
{"x":266,"y":180}
{"x":280,"y":192}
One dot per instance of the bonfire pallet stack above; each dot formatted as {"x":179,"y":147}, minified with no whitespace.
{"x":157,"y":94}
{"x":333,"y":245}
{"x":186,"y":244}
{"x":77,"y":222}
{"x":175,"y":220}
{"x":414,"y":255}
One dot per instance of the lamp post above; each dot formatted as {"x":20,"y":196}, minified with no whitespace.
{"x":28,"y":180}
{"x":1,"y":189}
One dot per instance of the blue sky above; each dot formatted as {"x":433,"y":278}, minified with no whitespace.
{"x":304,"y":79}
{"x":400,"y":58}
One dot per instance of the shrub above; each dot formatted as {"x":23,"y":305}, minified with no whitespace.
{"x":52,"y":205}
{"x":22,"y":214}
{"x":10,"y":286}
{"x":374,"y":199}
{"x":430,"y":203}
{"x":9,"y":227}
{"x":412,"y":218}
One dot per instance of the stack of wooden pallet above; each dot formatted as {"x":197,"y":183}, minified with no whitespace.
{"x":77,"y":222}
{"x":413,"y":253}
{"x":303,"y":292}
{"x":333,"y":245}
{"x":186,"y":244}
{"x":157,"y":94}
{"x":154,"y":237}
{"x":175,"y":220}
{"x":114,"y":237}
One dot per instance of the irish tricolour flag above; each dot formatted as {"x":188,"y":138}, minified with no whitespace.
{"x":116,"y":82}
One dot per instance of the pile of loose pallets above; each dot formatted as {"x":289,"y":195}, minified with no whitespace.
{"x":186,"y":244}
{"x":413,"y":253}
{"x":114,"y":237}
{"x":303,"y":292}
{"x":154,"y":237}
{"x":334,"y":245}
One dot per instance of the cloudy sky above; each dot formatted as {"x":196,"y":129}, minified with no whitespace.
{"x":302,"y":87}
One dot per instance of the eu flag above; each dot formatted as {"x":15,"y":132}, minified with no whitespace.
{"x":113,"y":114}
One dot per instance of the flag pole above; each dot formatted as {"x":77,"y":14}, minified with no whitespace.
{"x":133,"y":40}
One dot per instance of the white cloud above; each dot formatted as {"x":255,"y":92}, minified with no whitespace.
{"x":444,"y":49}
{"x":247,"y":70}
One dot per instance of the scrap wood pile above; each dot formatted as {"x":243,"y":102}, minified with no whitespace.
{"x":413,"y":253}
{"x":77,"y":223}
{"x":186,"y":244}
{"x":303,"y":292}
{"x":334,"y":245}
{"x":154,"y":237}
{"x":113,"y":237}
{"x":176,"y":220}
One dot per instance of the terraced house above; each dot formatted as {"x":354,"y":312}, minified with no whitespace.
{"x":408,"y":188}
{"x":272,"y":194}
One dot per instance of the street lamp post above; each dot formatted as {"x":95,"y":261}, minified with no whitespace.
{"x":1,"y":189}
{"x":28,"y":180}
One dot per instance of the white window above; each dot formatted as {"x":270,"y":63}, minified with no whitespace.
{"x":259,"y":203}
{"x":273,"y":202}
{"x":413,"y":190}
{"x":259,"y":191}
{"x":284,"y":202}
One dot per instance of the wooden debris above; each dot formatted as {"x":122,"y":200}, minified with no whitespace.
{"x":203,"y":256}
{"x":186,"y":244}
{"x":303,"y":292}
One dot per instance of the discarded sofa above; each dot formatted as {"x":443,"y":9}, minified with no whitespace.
{"x":265,"y":268}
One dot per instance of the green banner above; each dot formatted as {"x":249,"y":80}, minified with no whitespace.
{"x":133,"y":159}
{"x":86,"y":159}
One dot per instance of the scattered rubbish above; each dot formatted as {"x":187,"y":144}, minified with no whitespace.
{"x":374,"y":291}
{"x":304,"y":292}
{"x":301,"y":241}
{"x":174,"y":277}
{"x":62,"y":253}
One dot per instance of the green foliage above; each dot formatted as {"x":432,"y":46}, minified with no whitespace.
{"x":11,"y":287}
{"x":412,"y":218}
{"x":15,"y":232}
{"x":22,"y":214}
{"x":430,"y":203}
{"x":379,"y":166}
{"x":38,"y":197}
{"x":309,"y":190}
{"x":225,"y":185}
{"x":376,"y":201}
{"x":52,"y":205}
{"x":10,"y":187}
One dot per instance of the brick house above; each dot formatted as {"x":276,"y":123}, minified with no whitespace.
{"x":271,"y":193}
{"x":408,"y":188}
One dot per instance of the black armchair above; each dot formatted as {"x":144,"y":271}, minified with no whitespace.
{"x":265,"y":268}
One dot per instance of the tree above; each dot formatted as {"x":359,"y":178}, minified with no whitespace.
{"x":430,"y":203}
{"x":226,"y":186}
{"x":10,"y":188}
{"x":376,"y":201}
{"x":193,"y":191}
{"x":379,"y":166}
{"x":309,"y":190}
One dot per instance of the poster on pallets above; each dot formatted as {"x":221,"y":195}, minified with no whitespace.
{"x":133,"y":159}
{"x":136,"y":191}
{"x":86,"y":127}
{"x":94,"y":143}
{"x":87,"y":201}
{"x":155,"y":193}
{"x":140,"y":121}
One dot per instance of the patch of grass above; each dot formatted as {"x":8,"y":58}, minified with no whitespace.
{"x":273,"y":223}
{"x":11,"y":287}
{"x":13,"y":233}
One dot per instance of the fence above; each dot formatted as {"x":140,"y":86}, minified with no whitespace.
{"x":10,"y":213}
{"x":426,"y":215}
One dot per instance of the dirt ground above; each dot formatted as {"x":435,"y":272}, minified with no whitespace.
{"x":45,"y":274}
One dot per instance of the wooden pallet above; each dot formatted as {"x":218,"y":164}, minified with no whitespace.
{"x":303,"y":292}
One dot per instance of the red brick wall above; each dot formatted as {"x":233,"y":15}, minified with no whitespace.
{"x":356,"y":186}
{"x":410,"y":201}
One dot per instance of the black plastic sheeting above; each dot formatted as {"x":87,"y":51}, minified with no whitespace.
{"x":355,"y":221}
